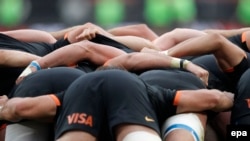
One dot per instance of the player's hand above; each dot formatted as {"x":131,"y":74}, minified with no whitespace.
{"x":198,"y":71}
{"x":87,"y":34}
{"x":32,"y":67}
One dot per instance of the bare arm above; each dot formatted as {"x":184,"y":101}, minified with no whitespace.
{"x":60,"y":34}
{"x":203,"y":99}
{"x":89,"y":31}
{"x":70,"y":55}
{"x":213,"y":43}
{"x":82,"y":51}
{"x":144,"y":61}
{"x":16,"y":109}
{"x":227,"y":32}
{"x":247,"y":38}
{"x":139,"y":30}
{"x":31,"y":35}
{"x":176,"y":36}
{"x":85,"y":32}
{"x":133,"y":42}
{"x":14,"y":58}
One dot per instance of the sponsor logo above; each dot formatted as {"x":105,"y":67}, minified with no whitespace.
{"x":149,"y":119}
{"x":80,"y":118}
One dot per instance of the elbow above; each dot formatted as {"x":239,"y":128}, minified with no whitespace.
{"x":177,"y":30}
{"x":142,"y":27}
{"x":217,"y":39}
{"x":88,"y":24}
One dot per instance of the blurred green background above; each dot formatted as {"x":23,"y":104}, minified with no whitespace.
{"x":158,"y":14}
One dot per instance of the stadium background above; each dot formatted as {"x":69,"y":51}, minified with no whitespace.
{"x":160,"y":15}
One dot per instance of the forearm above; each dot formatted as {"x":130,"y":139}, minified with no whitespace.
{"x":176,"y":36}
{"x":144,"y":61}
{"x":31,"y":35}
{"x":81,"y":51}
{"x":13,"y":58}
{"x":228,"y":32}
{"x":17,"y":109}
{"x":139,"y":30}
{"x":202,"y":100}
{"x":206,"y":44}
{"x":66,"y":56}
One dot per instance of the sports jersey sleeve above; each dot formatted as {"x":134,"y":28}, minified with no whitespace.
{"x":171,"y":97}
{"x":60,"y":43}
{"x":57,"y":98}
{"x":162,"y":99}
{"x":240,"y":41}
{"x":101,"y":39}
